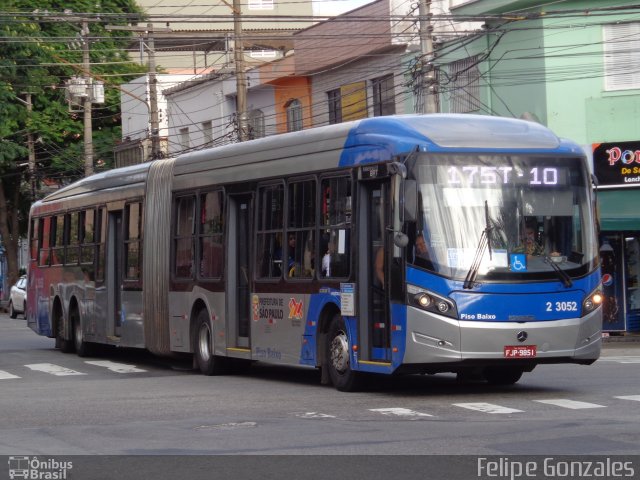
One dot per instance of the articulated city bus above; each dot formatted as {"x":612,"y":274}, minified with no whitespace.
{"x":388,"y":245}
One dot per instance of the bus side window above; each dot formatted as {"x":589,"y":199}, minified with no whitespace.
{"x":336,"y":227}
{"x":184,"y":237}
{"x":211,"y":231}
{"x":300,"y":255}
{"x":43,"y":241}
{"x":133,"y":240}
{"x":270,"y":245}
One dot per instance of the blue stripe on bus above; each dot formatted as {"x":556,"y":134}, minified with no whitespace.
{"x":539,"y":301}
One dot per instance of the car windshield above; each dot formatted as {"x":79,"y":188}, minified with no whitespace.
{"x":502,"y":216}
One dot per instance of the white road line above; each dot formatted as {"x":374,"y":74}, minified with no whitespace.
{"x":115,"y":367}
{"x":52,"y":369}
{"x":313,"y":415}
{"x":400,"y":412}
{"x":630,"y":397}
{"x":487,"y":408}
{"x":6,"y":375}
{"x":621,"y":359}
{"x":572,"y":404}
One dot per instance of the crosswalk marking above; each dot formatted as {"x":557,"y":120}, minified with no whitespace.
{"x":6,"y":375}
{"x":630,"y":397}
{"x":572,"y":404}
{"x":52,"y":369}
{"x":401,"y":412}
{"x":115,"y":367}
{"x":488,"y":408}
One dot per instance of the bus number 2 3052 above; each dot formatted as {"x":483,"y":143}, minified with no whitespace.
{"x":562,"y":306}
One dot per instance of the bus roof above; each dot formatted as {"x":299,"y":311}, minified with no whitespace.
{"x":345,"y":144}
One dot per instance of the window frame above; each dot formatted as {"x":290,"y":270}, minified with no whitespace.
{"x":258,"y":257}
{"x":313,"y":227}
{"x":200,"y":235}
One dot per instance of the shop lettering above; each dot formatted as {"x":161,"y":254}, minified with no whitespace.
{"x":627,"y":157}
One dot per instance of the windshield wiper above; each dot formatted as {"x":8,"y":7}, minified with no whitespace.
{"x":485,"y":242}
{"x":566,"y":279}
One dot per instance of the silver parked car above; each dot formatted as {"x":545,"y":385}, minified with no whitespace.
{"x":18,"y":298}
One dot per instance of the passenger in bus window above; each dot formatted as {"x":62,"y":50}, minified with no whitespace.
{"x":529,"y":244}
{"x":326,"y":263}
{"x":379,"y":267}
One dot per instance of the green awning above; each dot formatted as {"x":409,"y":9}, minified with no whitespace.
{"x":619,"y":209}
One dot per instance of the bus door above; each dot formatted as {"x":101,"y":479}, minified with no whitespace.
{"x":239,"y":270}
{"x":114,"y":267}
{"x":373,"y":273}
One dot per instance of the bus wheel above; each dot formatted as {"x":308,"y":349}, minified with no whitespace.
{"x":342,"y":376}
{"x":502,"y":375}
{"x":65,"y":346}
{"x":83,"y":349}
{"x":208,"y":363}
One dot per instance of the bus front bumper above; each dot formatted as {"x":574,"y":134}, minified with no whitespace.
{"x":433,"y":341}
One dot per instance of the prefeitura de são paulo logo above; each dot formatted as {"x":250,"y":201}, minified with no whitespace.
{"x":38,"y":469}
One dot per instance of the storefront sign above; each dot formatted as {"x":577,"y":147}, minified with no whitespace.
{"x":617,"y":164}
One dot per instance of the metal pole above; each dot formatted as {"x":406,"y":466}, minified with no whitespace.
{"x":32,"y":153}
{"x":153,"y":95}
{"x":426,"y":47}
{"x":88,"y":134}
{"x":241,"y":79}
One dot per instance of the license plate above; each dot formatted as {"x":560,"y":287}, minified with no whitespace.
{"x":520,"y":351}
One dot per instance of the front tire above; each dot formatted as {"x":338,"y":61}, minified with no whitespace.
{"x":208,"y":363}
{"x":338,"y":358}
{"x":12,"y":311}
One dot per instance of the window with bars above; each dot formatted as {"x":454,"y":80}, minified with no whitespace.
{"x":335,"y":106}
{"x":383,"y":96}
{"x":465,"y":85}
{"x":294,"y":115}
{"x":621,"y":56}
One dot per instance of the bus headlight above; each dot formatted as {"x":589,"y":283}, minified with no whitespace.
{"x":593,"y":301}
{"x":431,"y":302}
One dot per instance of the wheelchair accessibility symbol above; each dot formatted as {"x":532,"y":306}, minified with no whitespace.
{"x":518,"y":262}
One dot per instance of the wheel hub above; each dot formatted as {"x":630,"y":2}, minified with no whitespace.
{"x":340,"y":352}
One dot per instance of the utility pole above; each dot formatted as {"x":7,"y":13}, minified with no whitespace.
{"x":241,"y":78}
{"x":153,"y":94}
{"x":88,"y":134}
{"x":32,"y":153}
{"x":428,"y":79}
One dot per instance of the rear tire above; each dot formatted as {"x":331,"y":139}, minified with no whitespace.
{"x":82,"y":348}
{"x":12,"y":311}
{"x":338,"y":358}
{"x":502,"y":375}
{"x":65,"y":346}
{"x":207,"y":362}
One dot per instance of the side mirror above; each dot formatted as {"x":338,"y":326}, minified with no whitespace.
{"x":400,"y":240}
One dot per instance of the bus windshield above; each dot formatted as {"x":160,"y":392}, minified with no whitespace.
{"x":505,"y":217}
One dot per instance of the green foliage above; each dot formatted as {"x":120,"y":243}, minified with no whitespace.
{"x":41,"y":49}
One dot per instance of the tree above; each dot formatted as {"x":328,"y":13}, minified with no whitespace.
{"x":36,"y":57}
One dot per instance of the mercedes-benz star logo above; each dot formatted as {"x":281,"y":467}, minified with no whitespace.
{"x":522,"y":336}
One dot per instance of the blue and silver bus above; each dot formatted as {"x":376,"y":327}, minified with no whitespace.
{"x":388,"y":245}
